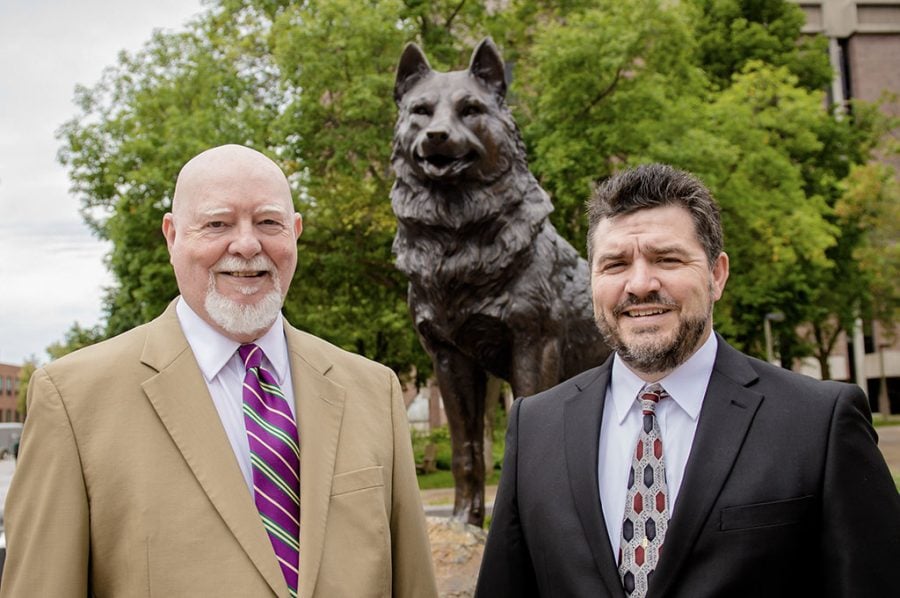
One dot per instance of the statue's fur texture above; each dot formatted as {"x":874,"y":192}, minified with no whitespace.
{"x":493,"y":288}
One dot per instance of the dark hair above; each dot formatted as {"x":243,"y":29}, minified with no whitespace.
{"x":653,"y":186}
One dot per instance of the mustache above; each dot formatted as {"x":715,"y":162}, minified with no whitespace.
{"x":653,"y":298}
{"x":231,"y":263}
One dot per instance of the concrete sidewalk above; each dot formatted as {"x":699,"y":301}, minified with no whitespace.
{"x":889,"y":443}
{"x":439,"y":501}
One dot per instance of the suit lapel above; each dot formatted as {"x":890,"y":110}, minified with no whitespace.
{"x":727,"y":413}
{"x":583,"y":413}
{"x":181,"y":399}
{"x":320,"y":411}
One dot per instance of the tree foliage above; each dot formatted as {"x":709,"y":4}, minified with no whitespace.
{"x":76,"y":337}
{"x":731,"y":33}
{"x":620,"y":72}
{"x":28,"y":368}
{"x":728,"y":89}
{"x":147,"y":116}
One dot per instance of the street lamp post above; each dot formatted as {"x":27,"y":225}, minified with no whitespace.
{"x":775,"y":316}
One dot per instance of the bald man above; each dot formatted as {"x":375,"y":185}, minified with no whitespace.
{"x":217,"y":450}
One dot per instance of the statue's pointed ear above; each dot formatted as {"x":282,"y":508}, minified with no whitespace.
{"x":413,"y":66}
{"x":487,"y":65}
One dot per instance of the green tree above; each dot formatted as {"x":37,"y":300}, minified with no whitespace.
{"x":731,"y":33}
{"x":336,"y":64}
{"x":146,"y":117}
{"x":28,"y":368}
{"x":311,"y":85}
{"x":631,"y":86}
{"x":724,"y":88}
{"x":774,"y":224}
{"x":76,"y":337}
{"x":620,"y":72}
{"x":865,"y":278}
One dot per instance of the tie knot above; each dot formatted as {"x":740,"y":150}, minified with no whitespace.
{"x":650,"y":395}
{"x":251,"y":355}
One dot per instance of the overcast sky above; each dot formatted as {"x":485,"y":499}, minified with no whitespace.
{"x":51,"y":268}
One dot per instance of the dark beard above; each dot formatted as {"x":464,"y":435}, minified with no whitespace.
{"x":656,"y":358}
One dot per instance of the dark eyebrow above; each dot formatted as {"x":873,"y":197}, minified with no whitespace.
{"x":667,"y":250}
{"x":603,"y":257}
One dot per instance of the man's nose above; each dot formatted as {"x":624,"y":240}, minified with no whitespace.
{"x":642,"y":279}
{"x":245,"y":242}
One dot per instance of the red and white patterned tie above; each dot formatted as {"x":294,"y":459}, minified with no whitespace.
{"x":647,"y":501}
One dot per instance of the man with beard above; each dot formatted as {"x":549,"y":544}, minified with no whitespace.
{"x":682,"y":467}
{"x":217,"y":450}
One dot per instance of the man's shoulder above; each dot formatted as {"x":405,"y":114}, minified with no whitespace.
{"x":773,"y":380}
{"x":324,"y":355}
{"x":592,"y":381}
{"x":114,"y":350}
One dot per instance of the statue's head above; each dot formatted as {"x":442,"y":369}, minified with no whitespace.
{"x":454,"y":126}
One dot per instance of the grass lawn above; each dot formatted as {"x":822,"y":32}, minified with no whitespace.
{"x":879,"y":420}
{"x":440,"y":437}
{"x":443,"y":478}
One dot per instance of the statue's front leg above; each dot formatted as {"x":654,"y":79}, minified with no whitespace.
{"x":463,"y":384}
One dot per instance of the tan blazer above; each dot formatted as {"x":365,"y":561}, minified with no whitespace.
{"x":126,"y":484}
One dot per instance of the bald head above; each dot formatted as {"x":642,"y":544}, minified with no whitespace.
{"x":221,"y":164}
{"x":232,"y":238}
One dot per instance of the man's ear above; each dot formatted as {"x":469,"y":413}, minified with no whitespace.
{"x":168,"y":229}
{"x":298,"y":225}
{"x":719,"y":275}
{"x":412,"y":68}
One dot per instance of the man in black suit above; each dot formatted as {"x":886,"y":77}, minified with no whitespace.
{"x":682,"y":467}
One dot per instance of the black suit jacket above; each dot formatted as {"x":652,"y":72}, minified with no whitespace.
{"x":784,"y":494}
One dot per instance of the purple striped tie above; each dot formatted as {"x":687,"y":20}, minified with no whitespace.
{"x":275,"y":460}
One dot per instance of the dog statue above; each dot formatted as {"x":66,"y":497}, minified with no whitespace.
{"x":493,"y":288}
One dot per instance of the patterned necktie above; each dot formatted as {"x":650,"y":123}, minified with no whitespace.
{"x":646,"y":504}
{"x":275,"y":461}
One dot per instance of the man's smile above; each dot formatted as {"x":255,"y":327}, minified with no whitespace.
{"x":645,"y":312}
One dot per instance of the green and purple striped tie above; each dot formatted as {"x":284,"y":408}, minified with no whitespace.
{"x":275,"y":460}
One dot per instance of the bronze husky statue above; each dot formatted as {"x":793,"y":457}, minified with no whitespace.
{"x":493,"y":288}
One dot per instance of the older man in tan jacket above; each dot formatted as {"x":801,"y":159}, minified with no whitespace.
{"x":137,"y":475}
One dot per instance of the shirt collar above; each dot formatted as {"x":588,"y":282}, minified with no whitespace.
{"x":686,"y":384}
{"x":213,"y":350}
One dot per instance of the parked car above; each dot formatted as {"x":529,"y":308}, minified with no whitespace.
{"x":10,"y":433}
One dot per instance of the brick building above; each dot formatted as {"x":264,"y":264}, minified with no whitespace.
{"x":9,"y":392}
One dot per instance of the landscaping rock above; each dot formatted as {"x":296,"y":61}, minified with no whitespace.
{"x":456,"y":550}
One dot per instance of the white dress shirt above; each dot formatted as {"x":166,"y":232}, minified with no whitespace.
{"x":223,"y":370}
{"x":620,"y":428}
